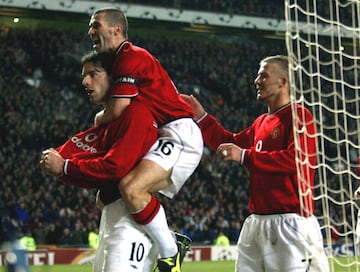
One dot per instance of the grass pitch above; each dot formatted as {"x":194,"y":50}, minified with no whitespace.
{"x":203,"y":266}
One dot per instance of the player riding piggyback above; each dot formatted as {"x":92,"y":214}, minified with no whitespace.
{"x":140,"y":77}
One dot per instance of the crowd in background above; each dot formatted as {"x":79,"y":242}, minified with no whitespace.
{"x":42,"y":103}
{"x":342,"y":9}
{"x":261,"y":8}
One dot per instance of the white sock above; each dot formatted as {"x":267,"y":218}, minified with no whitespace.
{"x":160,"y":233}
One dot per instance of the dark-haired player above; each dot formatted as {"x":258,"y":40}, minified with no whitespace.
{"x":139,"y":76}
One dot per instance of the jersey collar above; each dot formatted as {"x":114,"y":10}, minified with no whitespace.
{"x":120,"y":47}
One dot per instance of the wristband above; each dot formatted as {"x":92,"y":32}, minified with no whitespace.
{"x":242,"y":156}
{"x":201,"y":117}
{"x":65,"y":167}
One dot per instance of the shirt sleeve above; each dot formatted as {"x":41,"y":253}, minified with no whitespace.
{"x":280,"y":161}
{"x":129,"y":71}
{"x":215,"y":134}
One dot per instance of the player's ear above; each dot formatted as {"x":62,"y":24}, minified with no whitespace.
{"x":119,"y":29}
{"x":283,"y":81}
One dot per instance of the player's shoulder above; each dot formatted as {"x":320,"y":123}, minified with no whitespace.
{"x":137,"y":109}
{"x":302,"y":110}
{"x":138,"y":113}
{"x":131,"y":58}
{"x":129,"y":49}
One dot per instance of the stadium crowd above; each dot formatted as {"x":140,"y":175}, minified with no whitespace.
{"x":42,"y":103}
{"x":258,"y":8}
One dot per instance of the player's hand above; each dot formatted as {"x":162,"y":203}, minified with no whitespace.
{"x":52,"y":163}
{"x":198,"y":109}
{"x":229,"y":152}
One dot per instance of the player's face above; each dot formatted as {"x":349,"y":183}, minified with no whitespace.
{"x":101,"y":33}
{"x":96,"y":82}
{"x":268,"y":82}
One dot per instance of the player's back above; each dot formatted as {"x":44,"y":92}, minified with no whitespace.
{"x":140,"y":75}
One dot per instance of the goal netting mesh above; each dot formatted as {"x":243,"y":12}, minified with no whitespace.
{"x":323,"y":43}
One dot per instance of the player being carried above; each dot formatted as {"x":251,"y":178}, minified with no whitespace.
{"x":139,"y":76}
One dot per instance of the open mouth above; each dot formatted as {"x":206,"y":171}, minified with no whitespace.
{"x":89,"y":91}
{"x":95,"y":41}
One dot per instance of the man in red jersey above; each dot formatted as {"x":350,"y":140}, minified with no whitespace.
{"x":281,"y":234}
{"x":139,"y":76}
{"x":97,"y":158}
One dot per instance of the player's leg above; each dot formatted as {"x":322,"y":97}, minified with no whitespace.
{"x":171,"y":160}
{"x":123,"y":245}
{"x":99,"y":254}
{"x":250,"y":257}
{"x":144,"y":207}
{"x":293,"y":243}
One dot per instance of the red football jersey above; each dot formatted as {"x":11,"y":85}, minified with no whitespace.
{"x":270,"y":158}
{"x":103,"y":154}
{"x":140,"y":75}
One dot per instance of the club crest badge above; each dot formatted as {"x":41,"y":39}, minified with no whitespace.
{"x":275,"y":133}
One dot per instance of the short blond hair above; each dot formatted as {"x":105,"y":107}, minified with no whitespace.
{"x":281,"y":60}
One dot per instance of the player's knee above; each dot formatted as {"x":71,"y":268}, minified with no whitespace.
{"x":129,"y":191}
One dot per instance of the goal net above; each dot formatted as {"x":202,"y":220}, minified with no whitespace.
{"x":323,"y":43}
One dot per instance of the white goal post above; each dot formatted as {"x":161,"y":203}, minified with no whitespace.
{"x":323,"y":43}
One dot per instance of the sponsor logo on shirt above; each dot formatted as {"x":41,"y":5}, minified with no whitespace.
{"x":89,"y":138}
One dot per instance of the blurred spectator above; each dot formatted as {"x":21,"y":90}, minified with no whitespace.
{"x":53,"y":234}
{"x":22,"y":214}
{"x":27,"y":240}
{"x":79,"y":234}
{"x":222,"y":239}
{"x":234,"y":231}
{"x":39,"y":232}
{"x":66,"y":238}
{"x":93,"y":238}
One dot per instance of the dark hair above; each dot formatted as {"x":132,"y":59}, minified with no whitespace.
{"x":115,"y":16}
{"x":104,"y":60}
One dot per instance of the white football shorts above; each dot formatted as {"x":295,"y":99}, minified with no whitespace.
{"x":282,"y":243}
{"x":180,"y":147}
{"x":123,"y":244}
